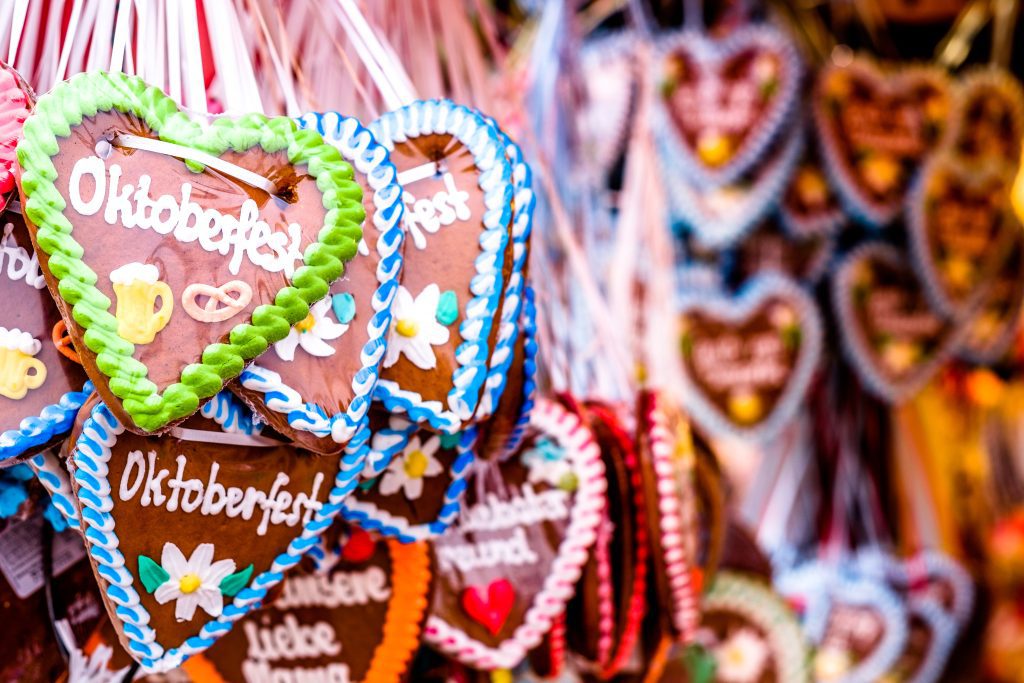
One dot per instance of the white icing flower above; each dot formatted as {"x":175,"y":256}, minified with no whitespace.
{"x":312,"y":334}
{"x":414,"y":328}
{"x":16,"y":340}
{"x":547,"y":463}
{"x":741,"y":658}
{"x":92,"y":669}
{"x":194,"y":582}
{"x":408,"y":470}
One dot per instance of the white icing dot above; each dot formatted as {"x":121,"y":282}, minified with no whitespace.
{"x":16,"y":340}
{"x":130,"y":272}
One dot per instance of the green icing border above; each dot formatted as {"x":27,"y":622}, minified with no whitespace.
{"x":86,"y":94}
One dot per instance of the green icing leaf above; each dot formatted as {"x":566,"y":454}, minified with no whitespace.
{"x":235,"y":582}
{"x":448,"y":308}
{"x":700,"y":664}
{"x":450,"y":441}
{"x":151,"y":573}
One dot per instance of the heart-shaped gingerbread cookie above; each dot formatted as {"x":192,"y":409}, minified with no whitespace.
{"x":988,"y":116}
{"x":457,"y":188}
{"x":876,"y":126}
{"x":356,"y":617}
{"x":810,"y":207}
{"x":768,"y":249}
{"x":178,"y":251}
{"x":961,"y":223}
{"x":188,"y":531}
{"x":749,"y":358}
{"x":413,"y":479}
{"x":993,"y":326}
{"x":724,"y":101}
{"x":315,"y":385}
{"x":506,"y":571}
{"x":610,"y":83}
{"x":892,"y":335}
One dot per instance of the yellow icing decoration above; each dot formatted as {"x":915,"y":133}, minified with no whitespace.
{"x":745,"y":407}
{"x":714,"y":149}
{"x":189,"y":583}
{"x":416,"y":464}
{"x":19,"y":371}
{"x":407,"y":328}
{"x":138,"y":289}
{"x":306,"y":324}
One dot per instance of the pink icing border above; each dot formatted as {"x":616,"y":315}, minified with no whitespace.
{"x":14,"y":109}
{"x":560,"y":584}
{"x":685,"y":607}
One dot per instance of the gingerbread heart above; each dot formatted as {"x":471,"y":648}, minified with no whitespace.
{"x":931,"y":636}
{"x":892,"y":335}
{"x":522,"y":539}
{"x":993,"y":326}
{"x":666,"y":467}
{"x":810,"y":207}
{"x":347,"y":620}
{"x":41,"y":385}
{"x":749,"y":358}
{"x":961,"y":223}
{"x":315,"y":385}
{"x":720,"y":216}
{"x":877,"y":125}
{"x":767,"y":248}
{"x":608,"y":65}
{"x":141,"y":216}
{"x":927,"y":575}
{"x":457,"y":188}
{"x":988,"y":116}
{"x":724,"y":101}
{"x":414,"y":479}
{"x":748,"y":633}
{"x":188,"y":531}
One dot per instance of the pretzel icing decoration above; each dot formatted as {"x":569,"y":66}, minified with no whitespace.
{"x":62,"y":340}
{"x":222,"y":302}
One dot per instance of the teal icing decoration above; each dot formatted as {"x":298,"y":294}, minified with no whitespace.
{"x":344,"y":306}
{"x":448,"y":308}
{"x":235,"y":582}
{"x":450,"y":441}
{"x":56,"y":518}
{"x":152,"y":574}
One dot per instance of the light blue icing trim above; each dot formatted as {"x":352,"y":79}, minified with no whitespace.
{"x":54,"y":478}
{"x":372,"y":518}
{"x":232,"y":416}
{"x":757,"y":290}
{"x":370,"y":159}
{"x":425,"y":117}
{"x":718,"y":232}
{"x":53,"y":420}
{"x":707,"y":50}
{"x":944,"y":636}
{"x":529,"y":323}
{"x":512,"y":306}
{"x":92,"y":455}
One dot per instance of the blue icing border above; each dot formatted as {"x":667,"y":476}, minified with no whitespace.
{"x":770,"y":182}
{"x":485,"y":145}
{"x":91,"y":455}
{"x":512,"y":305}
{"x":758,"y":289}
{"x":53,"y":420}
{"x":358,"y":146}
{"x":372,"y":518}
{"x":705,"y":49}
{"x":529,"y":323}
{"x":56,"y":480}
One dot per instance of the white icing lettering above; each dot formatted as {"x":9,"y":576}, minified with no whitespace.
{"x":131,"y":206}
{"x":212,"y":498}
{"x":20,"y":264}
{"x":335,"y":590}
{"x":513,"y":551}
{"x":428,"y":214}
{"x":523,"y":510}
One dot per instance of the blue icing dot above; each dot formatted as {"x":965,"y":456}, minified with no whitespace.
{"x":55,"y":518}
{"x":344,"y":306}
{"x":448,"y":308}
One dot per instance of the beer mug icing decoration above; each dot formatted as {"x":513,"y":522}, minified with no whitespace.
{"x":315,"y":385}
{"x":189,"y":530}
{"x":749,"y":358}
{"x":893,"y":336}
{"x":457,"y":189}
{"x":876,"y":126}
{"x":356,"y":611}
{"x":507,"y":569}
{"x":179,"y":251}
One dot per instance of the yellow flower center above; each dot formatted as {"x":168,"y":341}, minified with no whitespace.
{"x":306,"y":324}
{"x":416,"y":464}
{"x":714,"y":149}
{"x":189,"y":583}
{"x":407,"y":328}
{"x":745,"y":408}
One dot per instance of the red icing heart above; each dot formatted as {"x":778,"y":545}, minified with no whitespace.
{"x":359,"y":547}
{"x":492,"y":608}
